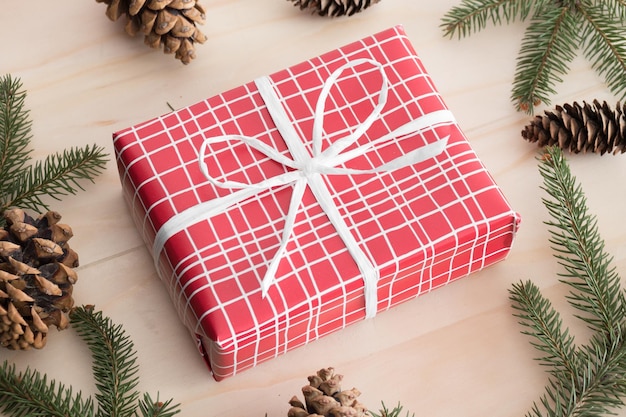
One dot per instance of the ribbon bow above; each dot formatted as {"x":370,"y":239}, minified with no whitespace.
{"x":308,"y":171}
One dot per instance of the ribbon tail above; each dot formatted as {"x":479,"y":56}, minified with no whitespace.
{"x":418,"y":155}
{"x":368,"y":271}
{"x":294,"y":205}
{"x":426,"y":122}
{"x":370,"y":279}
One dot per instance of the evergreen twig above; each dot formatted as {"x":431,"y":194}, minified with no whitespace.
{"x":15,"y":127}
{"x":29,"y":393}
{"x":604,"y":44}
{"x":114,"y":367}
{"x":548,"y":47}
{"x":557,"y":29}
{"x":589,"y":379}
{"x":596,"y":291}
{"x":60,"y":174}
{"x":394,"y":412}
{"x":545,"y":325}
{"x":156,"y":408}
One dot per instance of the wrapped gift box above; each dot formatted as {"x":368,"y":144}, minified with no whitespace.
{"x":292,"y":206}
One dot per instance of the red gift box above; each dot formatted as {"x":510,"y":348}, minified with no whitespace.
{"x":294,"y":205}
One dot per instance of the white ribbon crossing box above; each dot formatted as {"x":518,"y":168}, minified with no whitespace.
{"x":292,"y":206}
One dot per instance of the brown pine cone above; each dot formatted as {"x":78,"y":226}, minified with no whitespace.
{"x":581,"y":128}
{"x":36,"y":278}
{"x":323,"y":397}
{"x":171,"y":23}
{"x":334,"y":8}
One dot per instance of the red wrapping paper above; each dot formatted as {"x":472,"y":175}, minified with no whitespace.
{"x":420,"y":225}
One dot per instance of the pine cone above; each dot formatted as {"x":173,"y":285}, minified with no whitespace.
{"x":587,"y":128}
{"x":36,"y":278}
{"x":334,"y":7}
{"x":323,"y":397}
{"x":171,"y":23}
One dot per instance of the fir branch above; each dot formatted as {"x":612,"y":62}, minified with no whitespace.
{"x":151,"y":408}
{"x":474,"y":15}
{"x":556,"y":30}
{"x":394,"y":412}
{"x":548,"y":47}
{"x":29,"y":393}
{"x":588,"y":380}
{"x":603,"y":382}
{"x":15,"y":130}
{"x":615,"y":8}
{"x":596,"y":291}
{"x":545,"y":325}
{"x":605,"y":45}
{"x":58,"y":175}
{"x":114,"y":367}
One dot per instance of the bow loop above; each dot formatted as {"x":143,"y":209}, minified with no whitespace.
{"x":320,"y":109}
{"x":255,"y":144}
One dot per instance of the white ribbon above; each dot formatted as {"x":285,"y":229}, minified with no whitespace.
{"x":308,"y":171}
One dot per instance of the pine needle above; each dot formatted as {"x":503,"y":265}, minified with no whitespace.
{"x":15,"y":127}
{"x":32,"y":394}
{"x":27,"y":185}
{"x":57,"y":176}
{"x":156,"y":408}
{"x":579,"y":248}
{"x":474,"y":15}
{"x":29,"y":393}
{"x":114,"y":367}
{"x":545,"y":325}
{"x":548,"y":47}
{"x":588,"y":379}
{"x":605,"y":45}
{"x":394,"y":412}
{"x":557,"y":30}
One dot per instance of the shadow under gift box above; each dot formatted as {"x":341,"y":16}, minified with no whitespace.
{"x":367,"y":194}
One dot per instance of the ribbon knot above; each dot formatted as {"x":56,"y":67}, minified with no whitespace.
{"x":310,"y":167}
{"x":308,"y":171}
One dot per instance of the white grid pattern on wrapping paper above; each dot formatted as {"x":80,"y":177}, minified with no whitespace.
{"x":182,"y":164}
{"x":316,"y":69}
{"x":427,"y":248}
{"x":250,"y":95}
{"x":194,"y":260}
{"x":147,"y":220}
{"x":215,"y":350}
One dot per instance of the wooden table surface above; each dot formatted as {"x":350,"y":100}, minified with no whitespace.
{"x":456,"y":351}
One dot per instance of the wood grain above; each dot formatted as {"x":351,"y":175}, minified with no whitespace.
{"x":455,"y":351}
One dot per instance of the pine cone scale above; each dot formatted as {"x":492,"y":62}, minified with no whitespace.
{"x":167,"y":23}
{"x":334,"y":8}
{"x":581,"y":128}
{"x":134,"y":6}
{"x":323,"y":397}
{"x":195,"y":15}
{"x":182,"y":4}
{"x":36,"y":278}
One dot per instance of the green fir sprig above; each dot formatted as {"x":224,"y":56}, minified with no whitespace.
{"x":25,"y":184}
{"x":29,"y":393}
{"x":586,"y":379}
{"x":394,"y":412}
{"x":557,"y":30}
